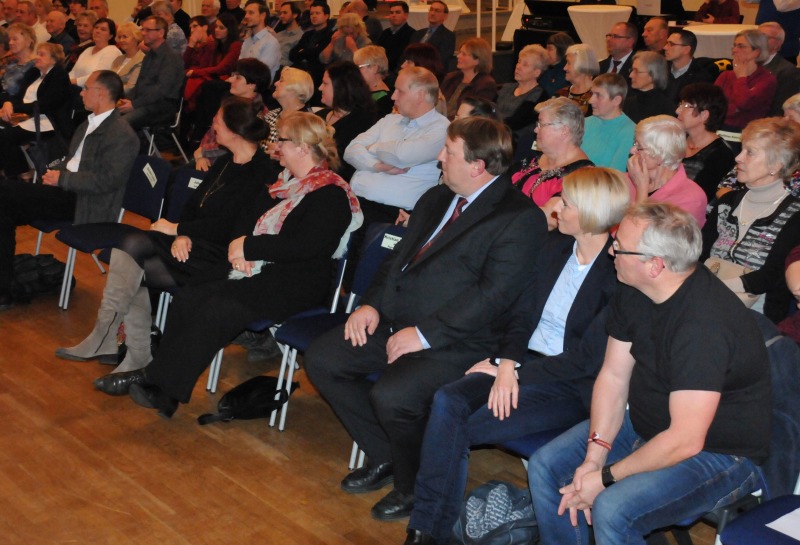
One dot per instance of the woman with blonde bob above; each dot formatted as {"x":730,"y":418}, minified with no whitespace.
{"x":472,"y":77}
{"x":581,"y":68}
{"x":655,"y":167}
{"x":292,"y":91}
{"x":350,"y":35}
{"x":280,"y":266}
{"x":374,"y":66}
{"x":541,"y":377}
{"x":128,"y":65}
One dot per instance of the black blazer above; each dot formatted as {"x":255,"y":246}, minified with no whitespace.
{"x":624,"y":70}
{"x":443,"y":39}
{"x":54,"y":98}
{"x":585,"y":335}
{"x":395,"y":44}
{"x":459,"y":291}
{"x":702,"y":70}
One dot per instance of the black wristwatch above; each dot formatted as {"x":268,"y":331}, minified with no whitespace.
{"x":606,"y":476}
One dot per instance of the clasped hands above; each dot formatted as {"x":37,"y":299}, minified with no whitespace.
{"x":580,"y":494}
{"x":364,"y":321}
{"x":236,"y":257}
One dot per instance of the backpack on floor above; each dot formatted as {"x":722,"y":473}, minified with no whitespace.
{"x":497,"y":513}
{"x":254,"y":398}
{"x":36,"y":275}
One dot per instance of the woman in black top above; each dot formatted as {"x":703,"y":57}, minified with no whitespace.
{"x":190,"y":251}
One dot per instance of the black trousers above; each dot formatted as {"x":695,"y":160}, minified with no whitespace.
{"x":20,"y":204}
{"x":386,"y":418}
{"x":12,"y":160}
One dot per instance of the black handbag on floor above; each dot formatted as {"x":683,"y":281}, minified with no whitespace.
{"x":254,"y":398}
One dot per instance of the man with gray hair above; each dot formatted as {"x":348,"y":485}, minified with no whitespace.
{"x":100,"y":7}
{"x":436,"y":306}
{"x":689,"y":360}
{"x":9,"y":12}
{"x":395,"y":160}
{"x":787,"y":74}
{"x":26,"y":13}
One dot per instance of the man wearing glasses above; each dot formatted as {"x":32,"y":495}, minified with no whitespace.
{"x":154,"y":99}
{"x":683,"y":67}
{"x":438,"y":35}
{"x":620,"y":41}
{"x":689,"y":361}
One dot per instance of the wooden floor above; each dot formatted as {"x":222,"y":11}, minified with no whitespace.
{"x":77,"y":466}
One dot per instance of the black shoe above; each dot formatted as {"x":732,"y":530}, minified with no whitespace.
{"x":395,"y":505}
{"x":367,"y":479}
{"x":6,"y":302}
{"x":118,"y":384}
{"x":416,"y":537}
{"x":151,"y":397}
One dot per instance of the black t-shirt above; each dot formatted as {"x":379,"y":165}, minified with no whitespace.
{"x":701,"y":338}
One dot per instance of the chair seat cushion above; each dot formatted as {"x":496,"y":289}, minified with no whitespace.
{"x":89,"y":237}
{"x":299,"y":333}
{"x":525,"y":446}
{"x":750,"y":528}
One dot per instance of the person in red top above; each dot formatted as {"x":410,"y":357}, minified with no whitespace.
{"x":719,"y":12}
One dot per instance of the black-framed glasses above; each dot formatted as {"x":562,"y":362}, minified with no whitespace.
{"x":281,"y":139}
{"x":675,"y":44}
{"x":615,"y":250}
{"x":616,"y":36}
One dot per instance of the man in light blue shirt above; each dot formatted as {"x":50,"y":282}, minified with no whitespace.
{"x":395,"y":160}
{"x":261,"y":43}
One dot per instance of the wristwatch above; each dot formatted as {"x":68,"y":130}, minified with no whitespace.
{"x":606,"y":476}
{"x":494,"y":360}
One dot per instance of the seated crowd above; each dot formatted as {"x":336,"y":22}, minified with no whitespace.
{"x":576,"y":239}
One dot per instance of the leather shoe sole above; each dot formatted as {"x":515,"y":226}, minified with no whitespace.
{"x":64,"y":355}
{"x":368,"y":479}
{"x":395,"y":505}
{"x":151,"y":397}
{"x":118,"y":384}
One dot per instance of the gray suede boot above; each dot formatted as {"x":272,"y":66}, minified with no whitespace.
{"x":137,"y":333}
{"x":123,"y":283}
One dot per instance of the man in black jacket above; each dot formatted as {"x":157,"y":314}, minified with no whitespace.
{"x":395,"y":38}
{"x":305,"y":55}
{"x":438,"y":35}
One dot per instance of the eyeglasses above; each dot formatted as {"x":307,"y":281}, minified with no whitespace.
{"x":615,"y":250}
{"x":281,"y":139}
{"x":616,"y":36}
{"x":366,"y":64}
{"x":542,"y":125}
{"x":687,"y":106}
{"x":638,"y":147}
{"x":150,"y":29}
{"x":676,"y":44}
{"x":742,"y":46}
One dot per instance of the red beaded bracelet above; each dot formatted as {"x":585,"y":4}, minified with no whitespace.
{"x":595,"y":438}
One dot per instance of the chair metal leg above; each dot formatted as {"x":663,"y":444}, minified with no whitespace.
{"x":180,"y":148}
{"x":99,"y":265}
{"x":38,"y":243}
{"x":163,"y":306}
{"x":353,"y":456}
{"x":292,"y":366}
{"x":361,"y":456}
{"x":213,"y":372}
{"x":66,"y":284}
{"x":281,"y":374}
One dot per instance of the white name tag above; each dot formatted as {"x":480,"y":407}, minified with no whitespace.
{"x":151,"y":176}
{"x":194,"y":182}
{"x":389,"y":241}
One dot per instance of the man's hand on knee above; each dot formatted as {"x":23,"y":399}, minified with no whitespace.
{"x":361,"y":323}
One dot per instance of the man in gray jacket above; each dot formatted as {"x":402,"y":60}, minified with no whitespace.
{"x":87,"y":187}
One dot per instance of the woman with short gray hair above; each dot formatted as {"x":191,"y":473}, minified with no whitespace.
{"x":581,"y":68}
{"x":655,"y":169}
{"x":648,"y":95}
{"x":749,"y":87}
{"x":559,"y":133}
{"x":516,"y":100}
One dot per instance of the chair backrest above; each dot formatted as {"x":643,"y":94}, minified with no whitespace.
{"x":186,"y":181}
{"x":147,"y":184}
{"x":783,"y":465}
{"x":378,"y":242}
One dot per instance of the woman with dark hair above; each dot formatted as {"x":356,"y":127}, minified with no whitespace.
{"x":472,"y":77}
{"x":555,"y":78}
{"x":176,"y":254}
{"x":250,"y":81}
{"x":99,"y":57}
{"x":708,"y":158}
{"x":47,"y":89}
{"x":477,"y":107}
{"x":211,"y":58}
{"x":424,"y":56}
{"x":281,"y":265}
{"x":349,"y":109}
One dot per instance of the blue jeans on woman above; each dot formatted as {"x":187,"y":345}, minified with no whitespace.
{"x":459,"y":419}
{"x":635,"y":506}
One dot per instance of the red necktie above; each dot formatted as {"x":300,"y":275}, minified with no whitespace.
{"x":614,"y":68}
{"x":462,"y":201}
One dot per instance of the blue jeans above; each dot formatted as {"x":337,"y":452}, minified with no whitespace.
{"x":459,"y":419}
{"x":635,"y":506}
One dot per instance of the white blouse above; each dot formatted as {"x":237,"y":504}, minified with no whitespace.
{"x":88,"y":62}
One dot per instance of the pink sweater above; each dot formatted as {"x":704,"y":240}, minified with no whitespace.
{"x":682,"y":192}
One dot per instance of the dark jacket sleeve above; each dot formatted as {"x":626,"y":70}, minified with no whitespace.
{"x":312,"y":229}
{"x":160,"y":78}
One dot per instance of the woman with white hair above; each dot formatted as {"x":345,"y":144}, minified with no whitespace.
{"x":648,"y":95}
{"x":749,"y":87}
{"x":655,"y":167}
{"x":581,"y":68}
{"x":559,"y":133}
{"x":791,"y":108}
{"x":516,"y":100}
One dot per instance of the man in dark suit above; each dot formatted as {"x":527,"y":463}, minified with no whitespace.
{"x":395,"y":38}
{"x":438,"y":35}
{"x":620,"y":42}
{"x":683,"y":67}
{"x":786,"y":73}
{"x":86,"y":188}
{"x":182,"y":18}
{"x":305,"y":55}
{"x":439,"y":303}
